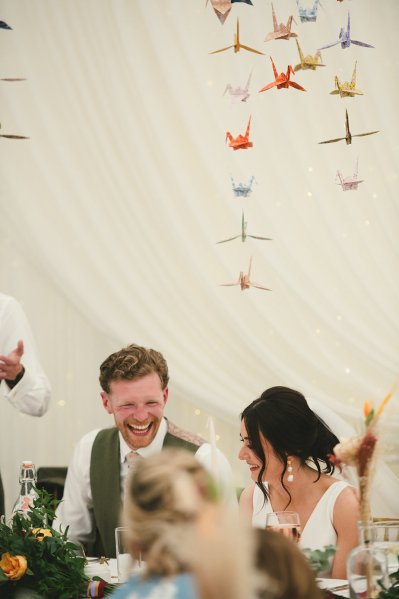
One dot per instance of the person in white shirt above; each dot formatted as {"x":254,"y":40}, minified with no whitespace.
{"x":22,"y":380}
{"x":134,"y":384}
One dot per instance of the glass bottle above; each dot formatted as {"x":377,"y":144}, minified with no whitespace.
{"x":27,"y":494}
{"x":367,"y":567}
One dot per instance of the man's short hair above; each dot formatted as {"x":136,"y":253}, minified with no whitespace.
{"x":133,"y":362}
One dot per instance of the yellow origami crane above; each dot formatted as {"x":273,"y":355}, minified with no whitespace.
{"x":347,"y":89}
{"x":237,"y":44}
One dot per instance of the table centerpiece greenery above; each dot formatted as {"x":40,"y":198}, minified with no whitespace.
{"x":38,"y":561}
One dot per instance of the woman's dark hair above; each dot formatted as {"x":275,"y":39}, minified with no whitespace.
{"x":283,"y":417}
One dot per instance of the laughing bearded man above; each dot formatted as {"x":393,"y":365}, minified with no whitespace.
{"x":134,"y":384}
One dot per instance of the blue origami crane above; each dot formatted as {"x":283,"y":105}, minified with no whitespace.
{"x":242,"y":190}
{"x":308,"y":14}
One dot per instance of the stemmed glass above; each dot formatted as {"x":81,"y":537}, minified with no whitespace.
{"x":286,"y":523}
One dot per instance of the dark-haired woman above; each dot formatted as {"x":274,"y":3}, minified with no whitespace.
{"x":286,"y":447}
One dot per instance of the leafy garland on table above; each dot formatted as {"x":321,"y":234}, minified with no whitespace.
{"x":320,"y":559}
{"x":35,"y":556}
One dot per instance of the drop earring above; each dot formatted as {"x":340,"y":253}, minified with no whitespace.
{"x":290,"y":476}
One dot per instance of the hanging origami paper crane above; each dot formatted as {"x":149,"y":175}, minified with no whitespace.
{"x":345,"y":38}
{"x":282,"y":80}
{"x":242,"y":190}
{"x":348,"y":183}
{"x":239,"y":93}
{"x":3,"y":25}
{"x":308,"y":14}
{"x":244,"y":280}
{"x":280,"y":32}
{"x":308,"y":61}
{"x":347,"y":89}
{"x":221,"y":8}
{"x":348,"y":135}
{"x":10,"y":136}
{"x":241,"y":142}
{"x":237,"y":44}
{"x":244,"y":233}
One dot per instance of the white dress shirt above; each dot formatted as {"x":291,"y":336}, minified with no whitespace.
{"x":76,"y":508}
{"x":31,"y":395}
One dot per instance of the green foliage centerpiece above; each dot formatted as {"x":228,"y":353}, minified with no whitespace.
{"x":36,"y":558}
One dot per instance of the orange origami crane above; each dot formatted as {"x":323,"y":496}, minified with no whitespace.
{"x":237,"y":44}
{"x":280,"y":32}
{"x":241,"y":142}
{"x":282,"y":80}
{"x":244,"y":281}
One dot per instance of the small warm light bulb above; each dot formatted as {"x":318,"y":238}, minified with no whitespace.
{"x":318,"y":331}
{"x":197,"y":412}
{"x":310,"y":169}
{"x":347,"y":370}
{"x":309,"y":194}
{"x":61,"y":403}
{"x":339,"y":317}
{"x":217,"y":437}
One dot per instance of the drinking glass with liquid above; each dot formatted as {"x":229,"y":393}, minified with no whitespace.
{"x":286,"y":523}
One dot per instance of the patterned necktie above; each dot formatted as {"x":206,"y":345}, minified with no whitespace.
{"x":132,"y":458}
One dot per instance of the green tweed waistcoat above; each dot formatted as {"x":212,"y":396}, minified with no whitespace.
{"x":106,"y":485}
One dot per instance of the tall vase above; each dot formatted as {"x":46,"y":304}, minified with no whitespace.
{"x":367,"y":567}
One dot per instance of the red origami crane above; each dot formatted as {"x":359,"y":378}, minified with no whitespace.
{"x":241,"y":142}
{"x":282,"y":80}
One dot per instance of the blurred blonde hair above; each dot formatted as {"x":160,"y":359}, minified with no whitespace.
{"x":164,"y":495}
{"x":175,"y":520}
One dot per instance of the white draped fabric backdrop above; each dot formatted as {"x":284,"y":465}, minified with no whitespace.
{"x":111,"y":210}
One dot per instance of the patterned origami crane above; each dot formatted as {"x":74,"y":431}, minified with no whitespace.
{"x":222,"y":8}
{"x":241,"y":142}
{"x":280,"y":32}
{"x":242,"y":190}
{"x":283,"y":80}
{"x":237,"y":45}
{"x":345,"y":38}
{"x":239,"y":93}
{"x":309,"y":13}
{"x":348,"y":134}
{"x":243,"y":235}
{"x":308,"y":61}
{"x":244,"y":280}
{"x":347,"y":89}
{"x":349,"y":182}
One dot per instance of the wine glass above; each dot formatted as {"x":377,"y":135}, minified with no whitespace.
{"x":286,"y":523}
